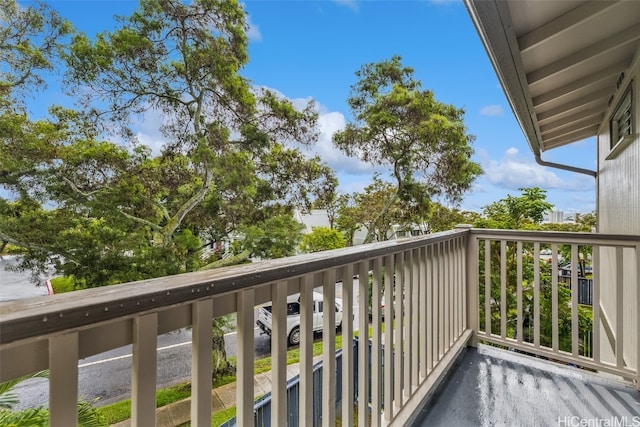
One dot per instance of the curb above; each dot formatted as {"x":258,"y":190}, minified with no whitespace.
{"x":178,"y":413}
{"x":224,"y":397}
{"x":49,"y":287}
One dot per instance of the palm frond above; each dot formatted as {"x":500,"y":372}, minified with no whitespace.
{"x":25,"y":418}
{"x":7,"y":397}
{"x":88,"y":415}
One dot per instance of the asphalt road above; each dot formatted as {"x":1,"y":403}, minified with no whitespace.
{"x":107,"y":376}
{"x":17,"y":285}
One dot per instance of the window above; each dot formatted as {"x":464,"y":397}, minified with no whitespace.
{"x":621,"y":124}
{"x":293,"y":308}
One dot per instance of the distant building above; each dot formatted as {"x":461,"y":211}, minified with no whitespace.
{"x":556,"y":217}
{"x":320,"y":218}
{"x":314,"y":218}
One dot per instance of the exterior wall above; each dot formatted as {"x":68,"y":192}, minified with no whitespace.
{"x":319,"y":218}
{"x":618,"y":201}
{"x":619,"y":178}
{"x":315,"y":218}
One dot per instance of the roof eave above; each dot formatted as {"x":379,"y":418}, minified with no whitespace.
{"x":493,"y":23}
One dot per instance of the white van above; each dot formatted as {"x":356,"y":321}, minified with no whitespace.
{"x":293,"y":316}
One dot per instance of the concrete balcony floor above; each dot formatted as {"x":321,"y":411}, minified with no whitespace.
{"x":493,"y":387}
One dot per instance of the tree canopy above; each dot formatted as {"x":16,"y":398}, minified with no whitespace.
{"x":322,"y":239}
{"x":90,"y":196}
{"x":422,"y":141}
{"x":526,"y":211}
{"x":517,"y":212}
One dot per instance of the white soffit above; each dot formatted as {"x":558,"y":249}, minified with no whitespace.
{"x":559,"y":62}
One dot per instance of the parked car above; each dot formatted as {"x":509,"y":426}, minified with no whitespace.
{"x":264,"y":320}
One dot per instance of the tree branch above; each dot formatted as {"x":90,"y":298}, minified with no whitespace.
{"x":6,"y":238}
{"x":188,"y":206}
{"x":142,"y":221}
{"x":382,"y":212}
{"x":75,"y":188}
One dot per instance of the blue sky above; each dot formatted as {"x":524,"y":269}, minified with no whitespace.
{"x":311,"y":50}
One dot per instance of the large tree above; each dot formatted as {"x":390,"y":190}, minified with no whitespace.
{"x":225,"y":161}
{"x":89,"y":196}
{"x":347,"y":220}
{"x":29,"y":41}
{"x":517,"y":212}
{"x":322,"y":239}
{"x":442,"y":218}
{"x":397,"y":124}
{"x":526,"y":211}
{"x":183,"y":61}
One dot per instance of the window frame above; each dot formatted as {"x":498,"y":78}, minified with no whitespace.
{"x":624,"y":109}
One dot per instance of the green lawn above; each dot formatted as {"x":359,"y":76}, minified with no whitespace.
{"x":121,"y":411}
{"x":62,"y":284}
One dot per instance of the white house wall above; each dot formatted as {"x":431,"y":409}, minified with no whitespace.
{"x":619,"y":178}
{"x":618,"y":203}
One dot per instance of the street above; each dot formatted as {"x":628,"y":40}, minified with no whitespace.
{"x":107,"y":376}
{"x":17,"y":285}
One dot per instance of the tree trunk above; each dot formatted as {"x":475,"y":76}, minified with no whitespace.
{"x":220,"y":364}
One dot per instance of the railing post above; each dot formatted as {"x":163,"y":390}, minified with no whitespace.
{"x":144,"y":370}
{"x":244,"y":382}
{"x":306,"y":350}
{"x":363,"y":343}
{"x":201,"y":382}
{"x":619,"y":314}
{"x":471,"y":260}
{"x":347,"y":347}
{"x":389,"y":268}
{"x":329,"y":348}
{"x":376,"y":346}
{"x":397,"y":344}
{"x":279,"y":354}
{"x":63,"y":380}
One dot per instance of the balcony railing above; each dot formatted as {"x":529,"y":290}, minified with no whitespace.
{"x":442,"y":292}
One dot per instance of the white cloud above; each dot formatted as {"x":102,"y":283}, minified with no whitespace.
{"x":329,"y":123}
{"x":492,"y":110}
{"x":351,"y":4}
{"x":148,"y":132}
{"x":254,"y":30}
{"x":513,"y":172}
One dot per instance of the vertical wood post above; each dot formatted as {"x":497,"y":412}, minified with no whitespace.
{"x":144,"y":370}
{"x":63,"y":380}
{"x":201,"y":369}
{"x":244,"y":376}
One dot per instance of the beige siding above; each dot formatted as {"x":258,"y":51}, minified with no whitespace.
{"x":619,"y":177}
{"x":618,"y":201}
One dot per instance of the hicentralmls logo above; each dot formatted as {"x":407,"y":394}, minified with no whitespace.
{"x":575,"y":421}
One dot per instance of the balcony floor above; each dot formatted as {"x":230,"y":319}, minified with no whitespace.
{"x":492,"y":387}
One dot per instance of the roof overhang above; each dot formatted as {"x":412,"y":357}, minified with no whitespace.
{"x":559,"y":62}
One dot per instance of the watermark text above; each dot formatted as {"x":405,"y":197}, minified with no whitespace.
{"x":576,"y":421}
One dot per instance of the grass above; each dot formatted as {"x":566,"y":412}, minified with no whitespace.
{"x":370,"y":330}
{"x":222,"y":416}
{"x":62,"y":284}
{"x":11,"y":249}
{"x":121,"y":410}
